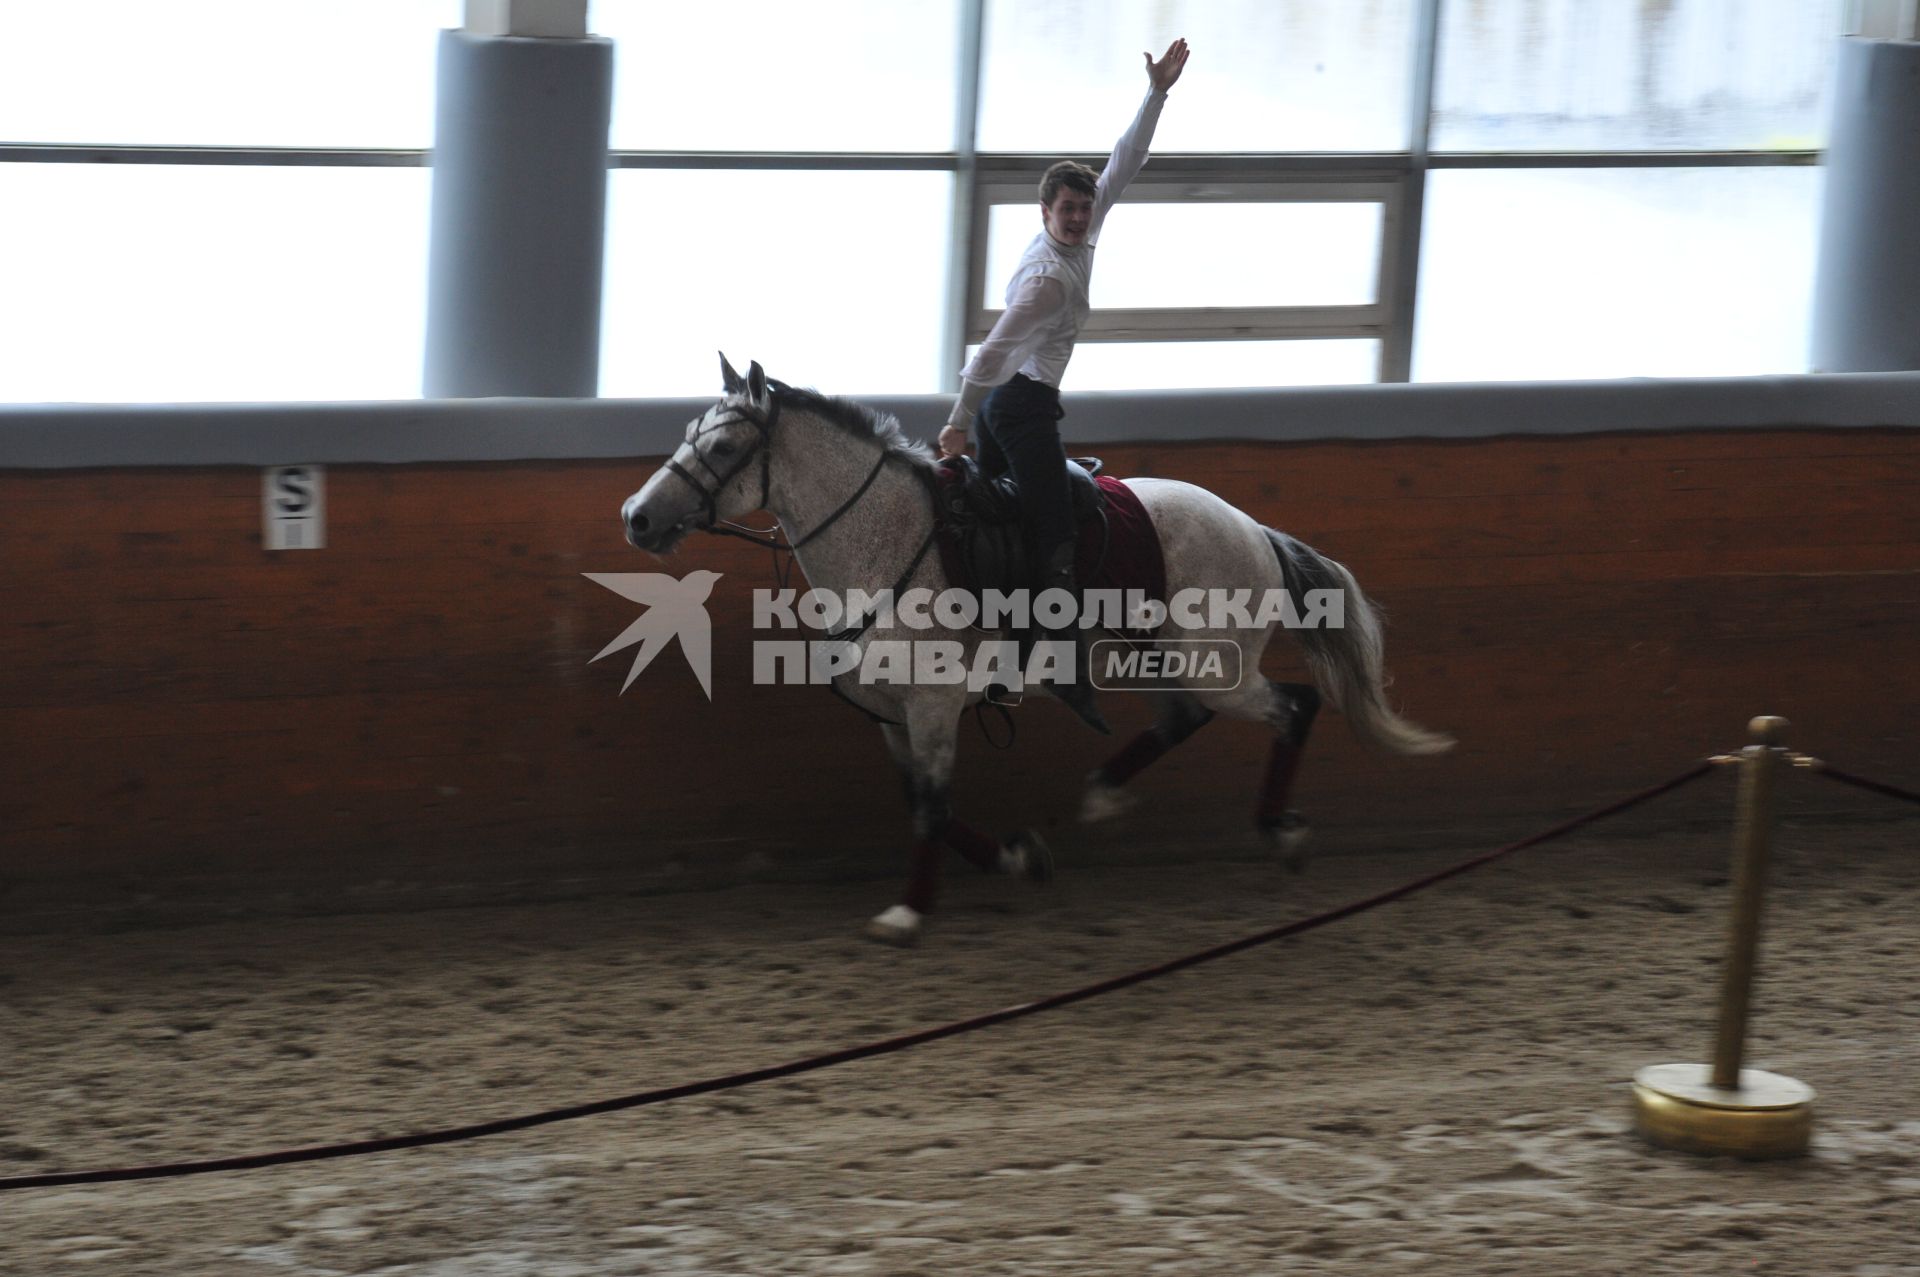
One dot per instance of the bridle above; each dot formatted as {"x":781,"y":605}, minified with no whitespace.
{"x":763,"y":428}
{"x":762,"y":447}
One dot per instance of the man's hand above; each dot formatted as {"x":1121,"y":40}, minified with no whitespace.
{"x":953,"y":442}
{"x":1166,"y":71}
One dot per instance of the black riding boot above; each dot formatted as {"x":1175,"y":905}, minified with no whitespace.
{"x":1074,"y":685}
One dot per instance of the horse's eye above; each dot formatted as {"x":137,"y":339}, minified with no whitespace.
{"x":722,"y":449}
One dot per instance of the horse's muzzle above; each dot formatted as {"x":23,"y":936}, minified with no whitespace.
{"x":638,"y":531}
{"x":645,"y":533}
{"x":657,"y":540}
{"x":642,"y":533}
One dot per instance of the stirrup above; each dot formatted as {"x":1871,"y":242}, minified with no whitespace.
{"x":1002,"y":695}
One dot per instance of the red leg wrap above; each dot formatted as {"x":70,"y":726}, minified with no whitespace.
{"x":923,"y":883}
{"x":981,"y":850}
{"x":1134,"y":757}
{"x":1281,"y":764}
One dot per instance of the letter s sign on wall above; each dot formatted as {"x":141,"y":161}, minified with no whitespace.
{"x":294,"y":503}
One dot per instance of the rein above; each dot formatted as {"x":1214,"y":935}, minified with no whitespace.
{"x":769,"y":537}
{"x":852,"y":632}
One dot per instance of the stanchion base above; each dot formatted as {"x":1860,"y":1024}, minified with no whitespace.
{"x":1677,"y":1106}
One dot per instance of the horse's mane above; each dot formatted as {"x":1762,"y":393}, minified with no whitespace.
{"x":861,"y":422}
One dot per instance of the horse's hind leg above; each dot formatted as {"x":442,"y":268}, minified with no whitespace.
{"x":1289,"y":709}
{"x":1284,"y":829}
{"x":1181,"y":715}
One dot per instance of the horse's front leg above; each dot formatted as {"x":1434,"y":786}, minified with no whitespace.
{"x":923,"y":751}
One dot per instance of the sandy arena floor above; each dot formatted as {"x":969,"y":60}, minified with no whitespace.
{"x":1437,"y":1087}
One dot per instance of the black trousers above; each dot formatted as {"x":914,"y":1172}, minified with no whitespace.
{"x":1020,"y":432}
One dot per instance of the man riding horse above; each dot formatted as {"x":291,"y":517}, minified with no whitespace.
{"x":851,"y":492}
{"x":1013,"y":382}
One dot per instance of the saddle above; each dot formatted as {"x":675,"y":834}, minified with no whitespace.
{"x":980,"y":530}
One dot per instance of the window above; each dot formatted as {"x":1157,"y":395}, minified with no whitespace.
{"x":831,"y":280}
{"x":1174,"y":365}
{"x":1214,"y":254}
{"x":1195,"y":258}
{"x":1616,"y":273}
{"x":1267,"y":75}
{"x":1662,"y":75}
{"x":163,"y":282}
{"x":1270,"y":241}
{"x":349,"y":73}
{"x":826,"y":75}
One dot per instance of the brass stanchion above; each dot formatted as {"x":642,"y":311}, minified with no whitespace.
{"x":1724,"y":1108}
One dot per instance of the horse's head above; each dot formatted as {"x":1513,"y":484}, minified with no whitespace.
{"x":718,"y":473}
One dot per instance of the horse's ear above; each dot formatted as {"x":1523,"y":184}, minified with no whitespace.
{"x":756,"y":382}
{"x":730,"y":381}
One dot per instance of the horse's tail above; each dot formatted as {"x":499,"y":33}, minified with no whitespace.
{"x":1349,"y":661}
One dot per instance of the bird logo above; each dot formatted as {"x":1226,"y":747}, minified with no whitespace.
{"x":676,"y":609}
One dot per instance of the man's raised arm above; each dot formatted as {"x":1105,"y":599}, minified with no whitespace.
{"x":1130,"y":153}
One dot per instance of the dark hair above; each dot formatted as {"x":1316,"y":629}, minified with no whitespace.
{"x":1070,"y":174}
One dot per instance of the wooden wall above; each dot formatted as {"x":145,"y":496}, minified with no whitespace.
{"x":414,"y":704}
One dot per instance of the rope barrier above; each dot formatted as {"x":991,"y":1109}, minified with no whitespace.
{"x":424,"y":1139}
{"x":1819,"y":768}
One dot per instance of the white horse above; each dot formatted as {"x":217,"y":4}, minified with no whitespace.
{"x":851,"y":494}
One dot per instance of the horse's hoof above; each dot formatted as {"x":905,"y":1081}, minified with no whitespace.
{"x":898,"y":926}
{"x":1289,"y":837}
{"x":1025,"y":854}
{"x":1104,"y":802}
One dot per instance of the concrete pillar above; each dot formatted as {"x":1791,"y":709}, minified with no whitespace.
{"x":1866,"y":302}
{"x":519,"y":203}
